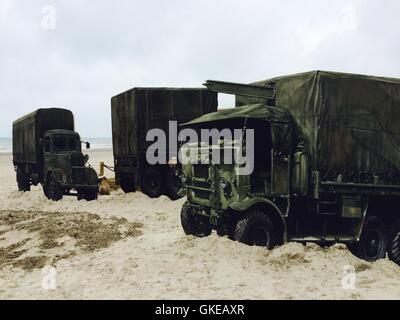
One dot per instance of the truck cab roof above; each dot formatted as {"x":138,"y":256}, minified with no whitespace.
{"x":255,"y":111}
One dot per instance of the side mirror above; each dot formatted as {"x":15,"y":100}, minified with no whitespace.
{"x":87,"y":145}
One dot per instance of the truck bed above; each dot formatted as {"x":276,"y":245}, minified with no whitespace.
{"x":349,"y":122}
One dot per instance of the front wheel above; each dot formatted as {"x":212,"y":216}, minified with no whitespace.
{"x":23,"y":181}
{"x":192,"y":225}
{"x":257,"y":229}
{"x":394,"y":244}
{"x":173,"y":183}
{"x":88,"y":195}
{"x":127,"y":183}
{"x":373,"y":242}
{"x":152,"y":182}
{"x":52,"y":189}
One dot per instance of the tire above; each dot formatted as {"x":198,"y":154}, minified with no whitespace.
{"x":173,"y":183}
{"x":192,"y":226}
{"x":23,"y":181}
{"x":257,"y":229}
{"x":45,"y":191}
{"x":88,"y":195}
{"x":353,"y":248}
{"x":152,"y":182}
{"x":373,"y":242}
{"x":394,"y":244}
{"x":127,"y":183}
{"x":227,"y":229}
{"x":52,"y":190}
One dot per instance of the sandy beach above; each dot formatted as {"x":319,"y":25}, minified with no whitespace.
{"x":128,"y":246}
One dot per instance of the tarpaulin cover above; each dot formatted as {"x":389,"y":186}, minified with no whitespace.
{"x":255,"y":111}
{"x":28,"y":130}
{"x":139,"y":110}
{"x":277,"y":119}
{"x":348,"y":122}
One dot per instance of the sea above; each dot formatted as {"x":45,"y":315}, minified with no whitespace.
{"x":95,"y":143}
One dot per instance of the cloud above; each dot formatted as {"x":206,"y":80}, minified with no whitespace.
{"x":312,"y":37}
{"x":100,"y":48}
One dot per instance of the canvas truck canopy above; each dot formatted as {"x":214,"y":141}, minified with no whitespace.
{"x":254,"y":111}
{"x":348,"y":122}
{"x":28,"y":130}
{"x":139,"y":110}
{"x":276,"y":119}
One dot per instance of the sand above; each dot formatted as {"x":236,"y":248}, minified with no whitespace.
{"x":128,"y":246}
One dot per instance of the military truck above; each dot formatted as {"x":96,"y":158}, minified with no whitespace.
{"x":326,"y":165}
{"x":47,"y":151}
{"x":139,"y":110}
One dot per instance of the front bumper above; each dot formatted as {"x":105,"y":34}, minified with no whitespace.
{"x":84,"y":178}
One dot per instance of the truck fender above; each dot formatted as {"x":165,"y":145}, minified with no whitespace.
{"x":47,"y":175}
{"x":250,"y":202}
{"x":94,"y":178}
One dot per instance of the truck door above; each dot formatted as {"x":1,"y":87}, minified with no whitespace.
{"x":280,"y":158}
{"x":47,"y":155}
{"x":280,"y":184}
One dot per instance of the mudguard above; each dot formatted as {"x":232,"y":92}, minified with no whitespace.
{"x":249,"y":202}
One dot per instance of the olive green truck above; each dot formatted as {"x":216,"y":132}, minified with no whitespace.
{"x":47,"y":151}
{"x":136,"y":112}
{"x":326,"y":165}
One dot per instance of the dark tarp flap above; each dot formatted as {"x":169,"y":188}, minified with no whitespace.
{"x":348,"y":122}
{"x":272,"y":122}
{"x":255,"y":111}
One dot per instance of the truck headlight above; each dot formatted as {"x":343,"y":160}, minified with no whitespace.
{"x":226,"y":187}
{"x":223,"y":183}
{"x":183,"y":179}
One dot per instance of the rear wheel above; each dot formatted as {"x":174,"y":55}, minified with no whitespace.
{"x":373,"y":241}
{"x":23,"y":181}
{"x":257,"y":229}
{"x":127,"y":183}
{"x":152,"y":182}
{"x":173,"y":183}
{"x":53,"y":190}
{"x":192,"y":225}
{"x":394,"y":244}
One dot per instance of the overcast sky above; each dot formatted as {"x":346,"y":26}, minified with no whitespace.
{"x":79,"y":53}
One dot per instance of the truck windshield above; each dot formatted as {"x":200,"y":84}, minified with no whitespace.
{"x":65,"y":143}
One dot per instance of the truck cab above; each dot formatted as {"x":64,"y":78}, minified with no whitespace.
{"x":65,"y":166}
{"x":221,"y":193}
